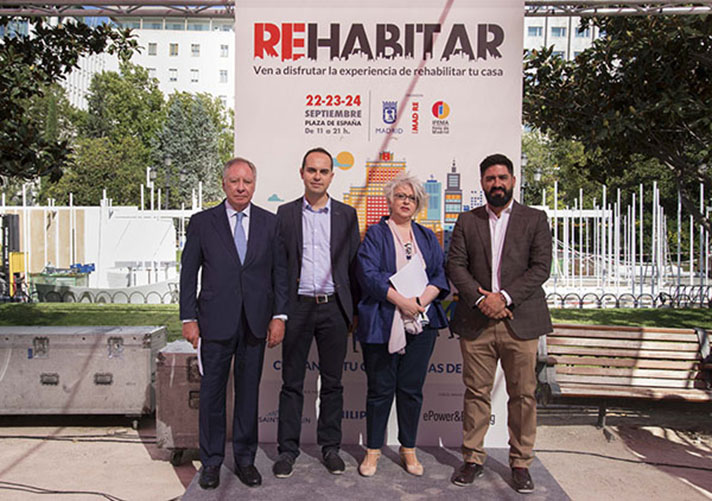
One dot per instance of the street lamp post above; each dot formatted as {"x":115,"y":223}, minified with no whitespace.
{"x":168,"y":162}
{"x":152,"y":175}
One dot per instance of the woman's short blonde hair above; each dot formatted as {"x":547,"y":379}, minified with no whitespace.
{"x":410,"y":179}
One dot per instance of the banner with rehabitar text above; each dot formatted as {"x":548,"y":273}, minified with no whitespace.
{"x":431,"y":87}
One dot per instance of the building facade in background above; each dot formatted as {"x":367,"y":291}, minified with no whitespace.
{"x":197,"y":55}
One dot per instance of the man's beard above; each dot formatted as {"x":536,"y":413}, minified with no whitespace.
{"x":500,"y":197}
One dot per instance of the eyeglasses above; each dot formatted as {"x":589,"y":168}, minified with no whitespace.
{"x":402,"y":197}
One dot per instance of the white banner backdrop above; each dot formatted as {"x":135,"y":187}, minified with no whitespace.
{"x":427,"y":86}
{"x":440,"y":417}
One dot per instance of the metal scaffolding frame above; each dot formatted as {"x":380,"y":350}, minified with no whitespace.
{"x":226,"y":8}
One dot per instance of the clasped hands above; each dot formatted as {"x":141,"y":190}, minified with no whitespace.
{"x":409,"y":307}
{"x":494,"y":305}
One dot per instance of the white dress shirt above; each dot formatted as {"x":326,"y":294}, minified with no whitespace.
{"x":498,"y":230}
{"x":232,"y":219}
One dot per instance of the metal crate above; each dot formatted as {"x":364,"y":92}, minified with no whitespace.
{"x":79,"y":370}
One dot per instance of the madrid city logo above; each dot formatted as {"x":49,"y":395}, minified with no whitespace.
{"x":441,"y":110}
{"x":390,"y":117}
{"x":390,"y":112}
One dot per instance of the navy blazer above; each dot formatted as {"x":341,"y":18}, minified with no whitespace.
{"x":344,"y":243}
{"x":258,"y":287}
{"x":376,"y":261}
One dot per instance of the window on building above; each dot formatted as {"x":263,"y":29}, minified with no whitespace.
{"x":194,"y":76}
{"x":222,"y":27}
{"x":586,"y":33}
{"x":223,"y":76}
{"x":14,"y":29}
{"x":198,"y":26}
{"x":558,"y":31}
{"x":151,"y":72}
{"x":224,"y":50}
{"x":152,"y":48}
{"x":176,"y":25}
{"x":558,"y":53}
{"x":173,"y":74}
{"x":134,"y":24}
{"x":195,"y":49}
{"x":535,"y":31}
{"x":576,"y":53}
{"x":153,"y":25}
{"x":223,"y":100}
{"x":173,"y":49}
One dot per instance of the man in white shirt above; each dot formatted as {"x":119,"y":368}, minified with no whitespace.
{"x":499,"y":258}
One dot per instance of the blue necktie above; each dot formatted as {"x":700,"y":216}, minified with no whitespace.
{"x":240,"y":238}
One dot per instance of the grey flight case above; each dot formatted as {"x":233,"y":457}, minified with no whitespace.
{"x":79,"y":370}
{"x":178,"y":399}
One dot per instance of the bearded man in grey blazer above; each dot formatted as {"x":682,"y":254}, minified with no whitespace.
{"x":499,"y":258}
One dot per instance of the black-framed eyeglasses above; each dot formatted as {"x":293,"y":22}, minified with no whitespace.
{"x":403,"y":196}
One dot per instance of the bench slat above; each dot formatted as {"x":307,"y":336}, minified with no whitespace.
{"x":620,"y":328}
{"x":626,"y":372}
{"x":641,"y":363}
{"x":686,"y":336}
{"x":624,"y":343}
{"x":562,"y":379}
{"x":581,"y":390}
{"x":594,"y":351}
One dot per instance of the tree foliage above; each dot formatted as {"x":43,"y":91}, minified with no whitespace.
{"x":28,"y":65}
{"x":191,"y":138}
{"x":642,"y":92}
{"x":102,"y":163}
{"x":123,"y":104}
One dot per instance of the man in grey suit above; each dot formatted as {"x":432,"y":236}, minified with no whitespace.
{"x":499,"y":258}
{"x":321,"y":238}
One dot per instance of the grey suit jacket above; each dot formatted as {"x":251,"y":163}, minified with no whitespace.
{"x":344,"y":243}
{"x":525,"y":266}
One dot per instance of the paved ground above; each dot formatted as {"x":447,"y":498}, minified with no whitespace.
{"x":661,"y":452}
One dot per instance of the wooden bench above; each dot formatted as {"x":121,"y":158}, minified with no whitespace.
{"x":609,"y":363}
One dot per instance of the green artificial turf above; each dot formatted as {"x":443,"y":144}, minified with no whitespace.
{"x":92,"y":314}
{"x":167,"y":314}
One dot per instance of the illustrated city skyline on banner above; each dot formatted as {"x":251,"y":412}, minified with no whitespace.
{"x":445,"y":199}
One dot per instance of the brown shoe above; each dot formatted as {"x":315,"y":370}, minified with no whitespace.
{"x":522,"y":481}
{"x":467,"y":474}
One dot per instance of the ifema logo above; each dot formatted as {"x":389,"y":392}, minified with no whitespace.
{"x":441,"y":110}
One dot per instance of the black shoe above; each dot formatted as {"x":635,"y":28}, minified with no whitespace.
{"x":333,"y":462}
{"x":467,"y":474}
{"x":248,"y":475}
{"x":283,"y":467}
{"x":210,"y":477}
{"x":522,"y":481}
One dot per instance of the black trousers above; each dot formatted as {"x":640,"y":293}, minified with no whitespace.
{"x":248,"y":352}
{"x":328,"y":326}
{"x":396,"y":375}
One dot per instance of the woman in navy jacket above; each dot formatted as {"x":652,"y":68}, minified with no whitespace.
{"x":397,"y":333}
